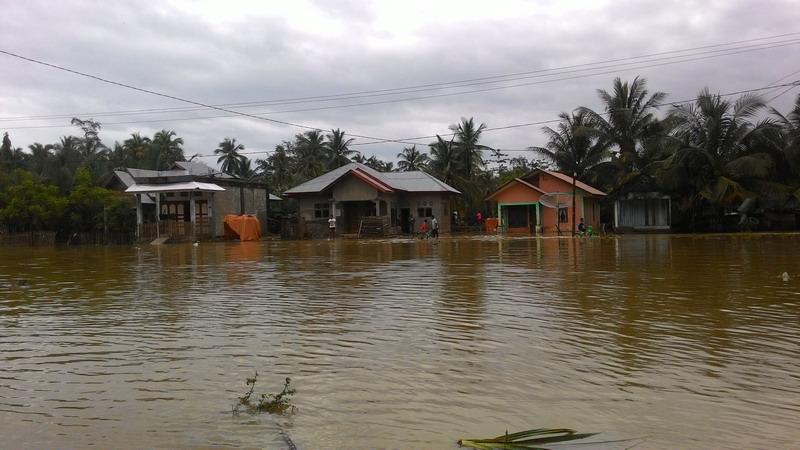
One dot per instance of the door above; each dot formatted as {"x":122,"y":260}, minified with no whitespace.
{"x":405,"y":213}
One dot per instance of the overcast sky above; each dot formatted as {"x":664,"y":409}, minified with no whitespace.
{"x":232,"y":51}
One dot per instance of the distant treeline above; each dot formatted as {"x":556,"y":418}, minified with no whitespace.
{"x":708,"y":155}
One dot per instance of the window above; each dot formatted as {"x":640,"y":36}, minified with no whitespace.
{"x":395,"y":219}
{"x":562,"y":215}
{"x":322,"y":210}
{"x":424,"y":212}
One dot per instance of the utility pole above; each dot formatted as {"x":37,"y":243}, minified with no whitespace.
{"x":574,"y":182}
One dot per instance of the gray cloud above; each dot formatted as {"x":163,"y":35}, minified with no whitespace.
{"x":225,"y":55}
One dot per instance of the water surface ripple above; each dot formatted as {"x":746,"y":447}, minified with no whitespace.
{"x":692,"y":342}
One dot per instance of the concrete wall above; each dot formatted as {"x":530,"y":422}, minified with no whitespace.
{"x":228,"y":202}
{"x":351,"y":189}
{"x":438,"y":202}
{"x":517,"y":193}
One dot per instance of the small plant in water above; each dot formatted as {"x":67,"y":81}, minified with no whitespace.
{"x":270,"y":403}
{"x":523,"y":440}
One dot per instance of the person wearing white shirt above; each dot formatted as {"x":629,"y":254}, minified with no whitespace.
{"x":332,"y":226}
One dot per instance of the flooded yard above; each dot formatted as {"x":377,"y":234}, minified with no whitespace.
{"x":683,"y":341}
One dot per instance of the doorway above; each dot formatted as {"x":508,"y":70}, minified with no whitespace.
{"x":405,"y":223}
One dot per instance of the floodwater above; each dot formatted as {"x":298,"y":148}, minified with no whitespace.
{"x":680,"y":342}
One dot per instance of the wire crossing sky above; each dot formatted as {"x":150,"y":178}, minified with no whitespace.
{"x":378,"y":70}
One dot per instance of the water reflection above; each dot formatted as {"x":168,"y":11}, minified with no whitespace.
{"x":401,"y":343}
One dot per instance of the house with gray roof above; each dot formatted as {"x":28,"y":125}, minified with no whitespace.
{"x":190,"y":200}
{"x":354,"y":193}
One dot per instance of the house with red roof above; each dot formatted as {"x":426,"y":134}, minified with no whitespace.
{"x":540,"y":202}
{"x":355,"y":194}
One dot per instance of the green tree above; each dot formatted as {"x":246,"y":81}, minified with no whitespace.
{"x":628,"y":118}
{"x":66,"y":160}
{"x":31,"y":205}
{"x":6,"y":152}
{"x":91,"y":208}
{"x":574,"y":148}
{"x":444,"y":159}
{"x":230,"y":158}
{"x":277,"y":168}
{"x":41,"y":156}
{"x":244,"y":169}
{"x":137,"y":150}
{"x":378,"y":164}
{"x":309,"y":154}
{"x":789,"y":139}
{"x":411,"y":159}
{"x":339,"y":152}
{"x":166,"y":148}
{"x":721,"y":153}
{"x":469,"y":150}
{"x":94,"y":154}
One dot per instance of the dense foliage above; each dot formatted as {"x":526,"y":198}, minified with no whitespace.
{"x":709,"y":155}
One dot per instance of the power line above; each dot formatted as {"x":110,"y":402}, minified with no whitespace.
{"x":544,"y":122}
{"x":173,"y":97}
{"x":431,"y":86}
{"x":379,"y":140}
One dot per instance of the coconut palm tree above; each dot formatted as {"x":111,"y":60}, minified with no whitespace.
{"x":40,"y":157}
{"x":574,"y":148}
{"x":722,"y":151}
{"x":790,"y":135}
{"x":137,"y":148}
{"x":166,"y":148}
{"x":379,"y":164}
{"x":338,"y":149}
{"x":411,"y":159}
{"x":67,"y":158}
{"x":229,"y":155}
{"x":470,"y":152}
{"x":628,"y":118}
{"x":277,"y":168}
{"x":444,"y":159}
{"x":244,"y":168}
{"x":309,"y":152}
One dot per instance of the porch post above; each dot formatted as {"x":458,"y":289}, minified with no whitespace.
{"x":212,"y":228}
{"x":158,"y":215}
{"x":192,"y":219}
{"x":499,"y":218}
{"x":138,"y":216}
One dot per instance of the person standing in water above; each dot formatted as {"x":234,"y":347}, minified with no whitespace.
{"x":411,"y":228}
{"x":332,"y":226}
{"x":434,"y":227}
{"x":423,"y":229}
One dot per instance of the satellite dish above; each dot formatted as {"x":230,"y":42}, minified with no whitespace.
{"x":555,"y":199}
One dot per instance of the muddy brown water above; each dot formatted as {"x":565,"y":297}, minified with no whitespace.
{"x":684,"y":341}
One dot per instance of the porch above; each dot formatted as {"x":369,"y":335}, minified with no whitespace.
{"x":519,"y":218}
{"x":178,"y":211}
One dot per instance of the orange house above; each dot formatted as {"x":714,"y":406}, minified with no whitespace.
{"x":541,"y":203}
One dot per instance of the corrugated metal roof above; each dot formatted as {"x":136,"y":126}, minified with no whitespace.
{"x":402,"y":181}
{"x":200,"y":169}
{"x":579,"y":184}
{"x":418,"y":181}
{"x":125,"y":178}
{"x":174,"y":187}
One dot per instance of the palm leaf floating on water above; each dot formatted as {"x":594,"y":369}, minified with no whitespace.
{"x":525,"y":440}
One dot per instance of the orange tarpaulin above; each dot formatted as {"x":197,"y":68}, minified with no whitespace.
{"x":244,"y":228}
